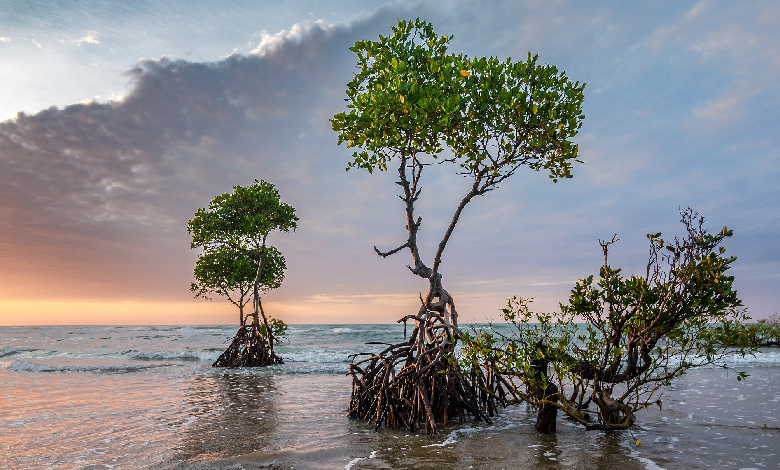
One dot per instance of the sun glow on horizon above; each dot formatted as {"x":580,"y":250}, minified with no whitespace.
{"x":40,"y":313}
{"x":195,"y":312}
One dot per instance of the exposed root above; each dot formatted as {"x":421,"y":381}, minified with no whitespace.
{"x":248,"y":349}
{"x":615,"y":415}
{"x":414,"y":384}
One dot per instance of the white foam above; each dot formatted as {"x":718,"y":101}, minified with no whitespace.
{"x":342,"y":330}
{"x":12,"y":351}
{"x":24,"y":366}
{"x":765,"y":356}
{"x":206,"y":356}
{"x":358,"y":459}
{"x":649,"y":464}
{"x":453,"y":437}
{"x":317,"y":355}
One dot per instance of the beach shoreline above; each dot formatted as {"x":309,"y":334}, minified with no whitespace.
{"x":147,"y":398}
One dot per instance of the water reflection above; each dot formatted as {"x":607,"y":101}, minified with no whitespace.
{"x":233,"y":413}
{"x":266,"y":419}
{"x":511,"y":442}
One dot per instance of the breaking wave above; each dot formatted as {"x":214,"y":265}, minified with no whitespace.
{"x":208,"y":355}
{"x":24,"y":366}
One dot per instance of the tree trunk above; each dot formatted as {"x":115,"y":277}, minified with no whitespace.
{"x":544,"y":391}
{"x":418,"y":382}
{"x":614,"y":414}
{"x":250,"y":347}
{"x":269,"y":334}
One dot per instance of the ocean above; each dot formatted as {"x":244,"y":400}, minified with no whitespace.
{"x":146,"y":397}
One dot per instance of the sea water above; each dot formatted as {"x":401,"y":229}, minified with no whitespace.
{"x":132,"y":397}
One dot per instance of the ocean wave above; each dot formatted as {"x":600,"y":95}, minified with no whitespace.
{"x":314,"y":355}
{"x":195,"y":356}
{"x":342,"y":329}
{"x":24,"y":366}
{"x":11,"y":351}
{"x":764,"y":356}
{"x":296,"y":368}
{"x":288,"y":368}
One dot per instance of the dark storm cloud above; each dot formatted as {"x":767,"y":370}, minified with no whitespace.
{"x":133,"y":171}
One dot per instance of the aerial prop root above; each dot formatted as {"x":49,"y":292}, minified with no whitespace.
{"x":248,"y":349}
{"x":414,"y":384}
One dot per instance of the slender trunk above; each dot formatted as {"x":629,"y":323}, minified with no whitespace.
{"x":258,"y":308}
{"x":418,"y":381}
{"x":268,"y":331}
{"x":250,"y":347}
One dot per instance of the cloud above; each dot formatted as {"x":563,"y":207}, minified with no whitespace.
{"x":5,"y":39}
{"x":94,"y":197}
{"x":271,"y":43}
{"x":99,"y":185}
{"x":90,"y":37}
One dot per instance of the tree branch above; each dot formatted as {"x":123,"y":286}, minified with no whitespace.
{"x":451,"y":227}
{"x":391,"y":252}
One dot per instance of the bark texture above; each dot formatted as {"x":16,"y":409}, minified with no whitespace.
{"x":547,"y":394}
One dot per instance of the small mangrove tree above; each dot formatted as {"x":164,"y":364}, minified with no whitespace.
{"x":237,"y":263}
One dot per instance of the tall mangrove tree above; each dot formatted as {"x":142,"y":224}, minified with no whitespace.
{"x":412,"y":104}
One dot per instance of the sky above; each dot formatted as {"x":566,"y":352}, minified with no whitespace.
{"x":118,"y":120}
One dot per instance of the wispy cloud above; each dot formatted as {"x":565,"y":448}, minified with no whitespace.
{"x":399,"y":300}
{"x":90,"y":37}
{"x":270,"y":43}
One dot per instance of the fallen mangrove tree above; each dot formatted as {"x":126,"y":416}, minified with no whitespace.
{"x":640,"y":333}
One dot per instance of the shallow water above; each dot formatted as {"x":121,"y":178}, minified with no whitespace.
{"x":146,"y":397}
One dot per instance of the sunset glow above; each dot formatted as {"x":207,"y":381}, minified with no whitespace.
{"x":115,"y":129}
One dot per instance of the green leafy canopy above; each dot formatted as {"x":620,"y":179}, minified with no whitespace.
{"x":242,"y":219}
{"x":639,"y":333}
{"x":411,"y":96}
{"x":227,"y":272}
{"x":232,"y":232}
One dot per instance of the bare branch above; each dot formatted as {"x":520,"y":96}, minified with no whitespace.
{"x":605,"y":246}
{"x":391,"y":252}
